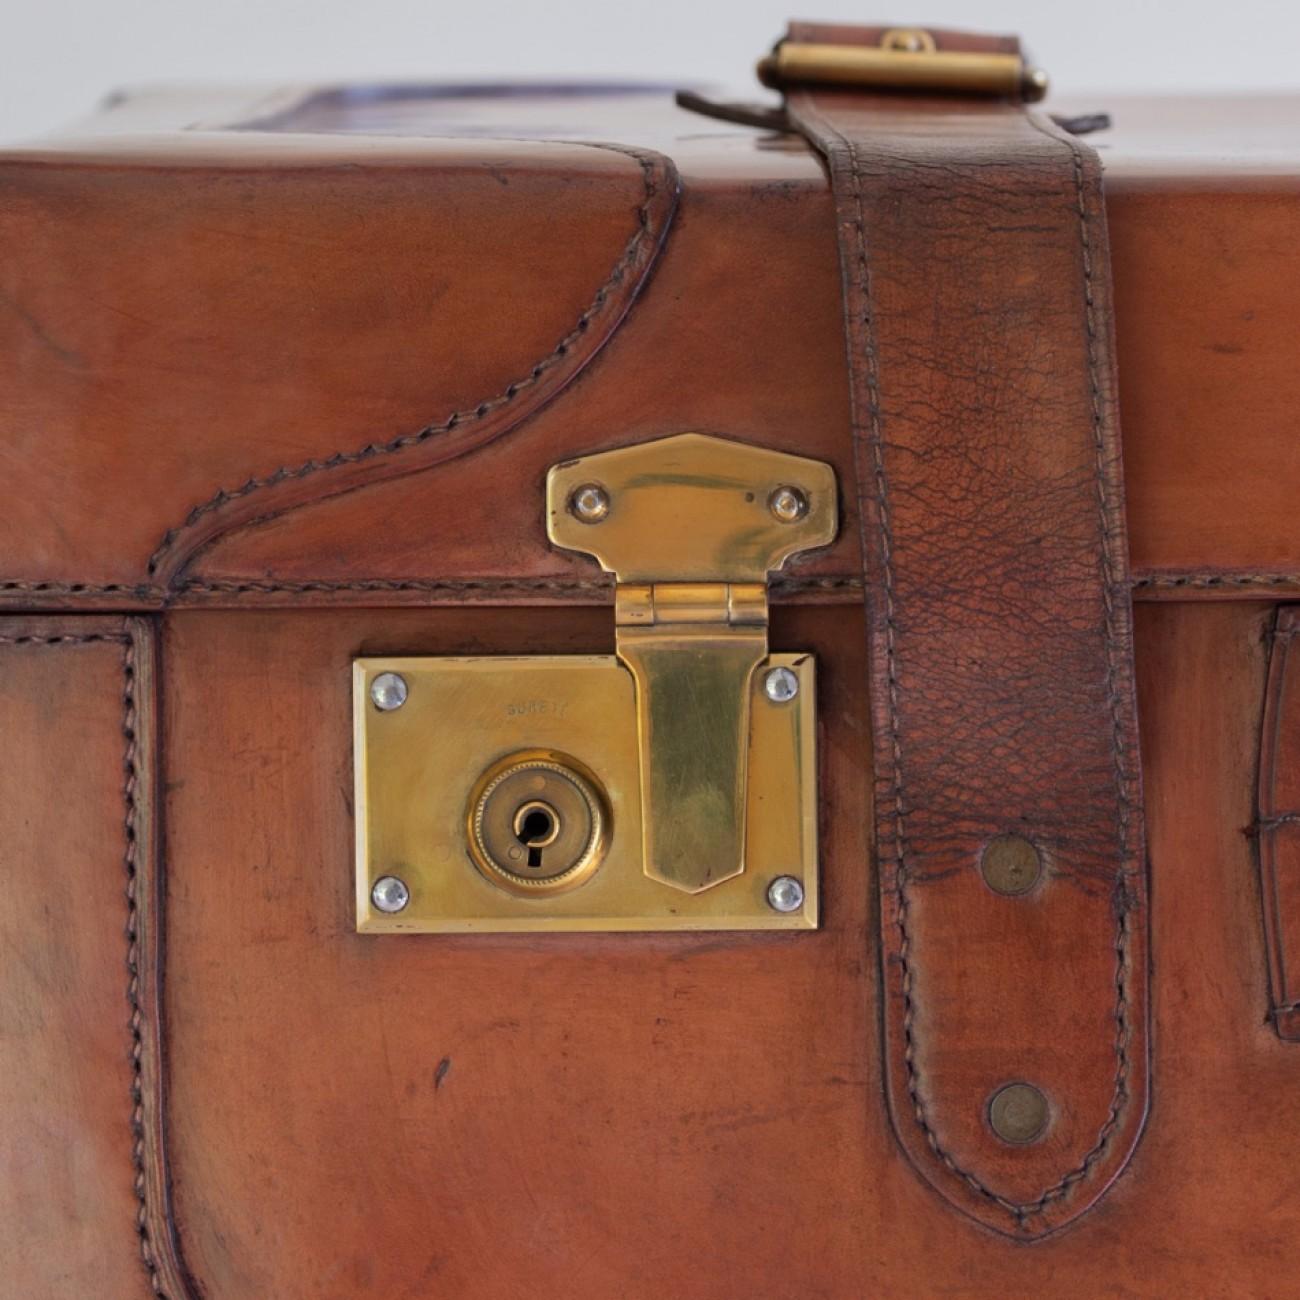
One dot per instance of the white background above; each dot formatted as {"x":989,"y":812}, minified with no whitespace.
{"x":59,"y":57}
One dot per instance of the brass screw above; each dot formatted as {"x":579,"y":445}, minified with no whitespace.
{"x":589,"y":503}
{"x":788,"y":504}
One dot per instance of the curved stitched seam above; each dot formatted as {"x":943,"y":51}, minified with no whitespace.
{"x":1019,"y":1211}
{"x":648,"y":163}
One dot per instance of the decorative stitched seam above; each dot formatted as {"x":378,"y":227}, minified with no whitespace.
{"x":648,"y":163}
{"x":1280,"y":819}
{"x":130,"y":819}
{"x":1019,"y":1211}
{"x":1210,"y":580}
{"x":138,"y":1150}
{"x":66,"y":638}
{"x":235,"y":586}
{"x":145,"y":590}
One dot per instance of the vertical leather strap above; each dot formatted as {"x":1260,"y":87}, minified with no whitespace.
{"x":978,"y":321}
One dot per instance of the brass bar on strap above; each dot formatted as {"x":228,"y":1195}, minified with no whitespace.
{"x":891,"y":68}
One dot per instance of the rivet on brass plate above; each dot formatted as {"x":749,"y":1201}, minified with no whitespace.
{"x":589,"y":503}
{"x":788,"y":504}
{"x":1018,"y":1113}
{"x":1011,"y":865}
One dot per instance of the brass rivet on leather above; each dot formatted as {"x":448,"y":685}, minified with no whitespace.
{"x":1018,"y":1113}
{"x":1011,"y":865}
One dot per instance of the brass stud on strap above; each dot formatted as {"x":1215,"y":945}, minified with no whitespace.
{"x":1011,"y":865}
{"x":1019,"y":1113}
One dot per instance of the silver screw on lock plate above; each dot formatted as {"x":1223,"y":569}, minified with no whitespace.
{"x":589,"y":503}
{"x":780,"y":685}
{"x":388,"y":692}
{"x":389,"y":894}
{"x":785,"y":894}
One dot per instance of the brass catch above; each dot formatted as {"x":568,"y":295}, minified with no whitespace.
{"x":691,"y":526}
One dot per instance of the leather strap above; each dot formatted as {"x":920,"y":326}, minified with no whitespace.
{"x":978,"y":319}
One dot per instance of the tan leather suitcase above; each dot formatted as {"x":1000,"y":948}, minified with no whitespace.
{"x":590,"y":708}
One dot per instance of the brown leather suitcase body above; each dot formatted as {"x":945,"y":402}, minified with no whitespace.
{"x":592,"y":709}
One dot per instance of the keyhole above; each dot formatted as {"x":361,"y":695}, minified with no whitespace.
{"x":536,"y":826}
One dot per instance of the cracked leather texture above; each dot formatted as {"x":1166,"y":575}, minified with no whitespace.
{"x":978,"y":319}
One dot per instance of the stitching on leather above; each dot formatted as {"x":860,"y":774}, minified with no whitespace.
{"x":138,"y":1152}
{"x":1018,"y":1211}
{"x":130,"y":820}
{"x":145,"y":590}
{"x":561,"y":586}
{"x":223,"y":496}
{"x":1210,"y":580}
{"x":1264,"y":824}
{"x":69,"y":638}
{"x":234,"y":586}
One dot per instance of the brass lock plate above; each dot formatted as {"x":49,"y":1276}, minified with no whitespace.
{"x":505,"y":795}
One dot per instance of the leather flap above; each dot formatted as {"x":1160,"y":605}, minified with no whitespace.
{"x":205,"y":328}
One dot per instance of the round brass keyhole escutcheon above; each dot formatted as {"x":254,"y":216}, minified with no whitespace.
{"x":1011,"y":865}
{"x":539,"y":823}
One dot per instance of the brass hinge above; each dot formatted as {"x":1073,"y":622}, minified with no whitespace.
{"x":907,"y":58}
{"x":691,"y":526}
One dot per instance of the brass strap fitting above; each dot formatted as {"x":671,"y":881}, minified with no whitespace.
{"x":905,"y":59}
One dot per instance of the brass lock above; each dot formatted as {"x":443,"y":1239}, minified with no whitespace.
{"x":671,"y":785}
{"x":537,"y":823}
